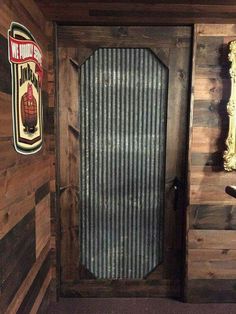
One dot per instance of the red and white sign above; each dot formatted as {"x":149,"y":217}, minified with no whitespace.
{"x":21,"y":51}
{"x":25,"y":57}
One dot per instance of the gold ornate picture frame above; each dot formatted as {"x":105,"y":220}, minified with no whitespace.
{"x":230,"y":153}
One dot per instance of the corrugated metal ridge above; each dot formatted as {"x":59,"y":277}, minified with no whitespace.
{"x":123,"y":114}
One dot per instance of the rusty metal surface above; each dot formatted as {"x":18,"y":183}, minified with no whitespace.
{"x":123,"y":100}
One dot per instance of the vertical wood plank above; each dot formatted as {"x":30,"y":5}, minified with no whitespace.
{"x":69,"y":152}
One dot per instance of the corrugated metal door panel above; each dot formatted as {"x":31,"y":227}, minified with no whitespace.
{"x":123,"y":104}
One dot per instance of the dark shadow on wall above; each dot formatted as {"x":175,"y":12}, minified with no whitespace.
{"x":222,"y":107}
{"x":220,"y":93}
{"x":218,"y":107}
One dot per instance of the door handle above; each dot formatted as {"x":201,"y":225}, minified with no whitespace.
{"x":177,"y":185}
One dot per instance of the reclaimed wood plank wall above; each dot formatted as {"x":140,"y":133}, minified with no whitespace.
{"x":211,"y":247}
{"x":27,"y":183}
{"x":139,"y":12}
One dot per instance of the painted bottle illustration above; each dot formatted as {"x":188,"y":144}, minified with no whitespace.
{"x":29,"y":110}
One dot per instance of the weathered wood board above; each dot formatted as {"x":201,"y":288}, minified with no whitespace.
{"x":211,"y":229}
{"x":25,"y":181}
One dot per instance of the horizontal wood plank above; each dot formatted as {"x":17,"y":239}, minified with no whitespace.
{"x":213,"y":71}
{"x":211,"y":114}
{"x":42,"y":294}
{"x":211,"y":51}
{"x":123,"y":36}
{"x":216,"y":30}
{"x":18,"y":183}
{"x":20,"y":175}
{"x":208,"y":175}
{"x":42,"y":221}
{"x":33,"y":295}
{"x":22,"y":291}
{"x":211,"y":89}
{"x":212,"y":217}
{"x":209,"y":264}
{"x":9,"y":158}
{"x":212,"y":239}
{"x":210,"y":194}
{"x":214,"y":159}
{"x":14,"y":247}
{"x":41,"y":192}
{"x":49,"y":297}
{"x":121,"y":288}
{"x":128,"y":13}
{"x":210,"y":291}
{"x":14,"y":213}
{"x":207,"y":140}
{"x":18,"y":11}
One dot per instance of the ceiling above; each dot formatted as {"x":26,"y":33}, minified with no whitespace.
{"x":146,"y":12}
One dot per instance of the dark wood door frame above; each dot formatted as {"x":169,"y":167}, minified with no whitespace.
{"x":74,"y":45}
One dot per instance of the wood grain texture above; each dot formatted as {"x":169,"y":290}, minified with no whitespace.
{"x":19,"y":182}
{"x":211,"y":51}
{"x":216,"y":30}
{"x":214,"y":159}
{"x":91,"y":37}
{"x":14,"y":213}
{"x":212,"y":217}
{"x":205,"y":175}
{"x":211,"y":91}
{"x":210,"y":194}
{"x":212,"y":264}
{"x":9,"y":158}
{"x":49,"y":296}
{"x":24,"y":180}
{"x":53,"y":214}
{"x":210,"y":122}
{"x":205,"y":139}
{"x":212,"y":239}
{"x":15,"y":246}
{"x":26,"y":284}
{"x":43,"y":223}
{"x":36,"y":291}
{"x":41,"y":192}
{"x":42,"y":294}
{"x":139,"y":13}
{"x":211,"y":209}
{"x":211,"y":114}
{"x":121,"y":288}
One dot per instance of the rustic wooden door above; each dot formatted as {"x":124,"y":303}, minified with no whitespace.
{"x":123,"y":116}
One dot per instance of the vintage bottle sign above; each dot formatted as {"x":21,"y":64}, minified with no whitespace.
{"x":25,"y":57}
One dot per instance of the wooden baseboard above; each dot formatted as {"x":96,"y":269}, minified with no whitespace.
{"x":210,"y":291}
{"x":122,"y":288}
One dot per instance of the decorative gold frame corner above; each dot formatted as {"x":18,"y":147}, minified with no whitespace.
{"x":230,"y":153}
